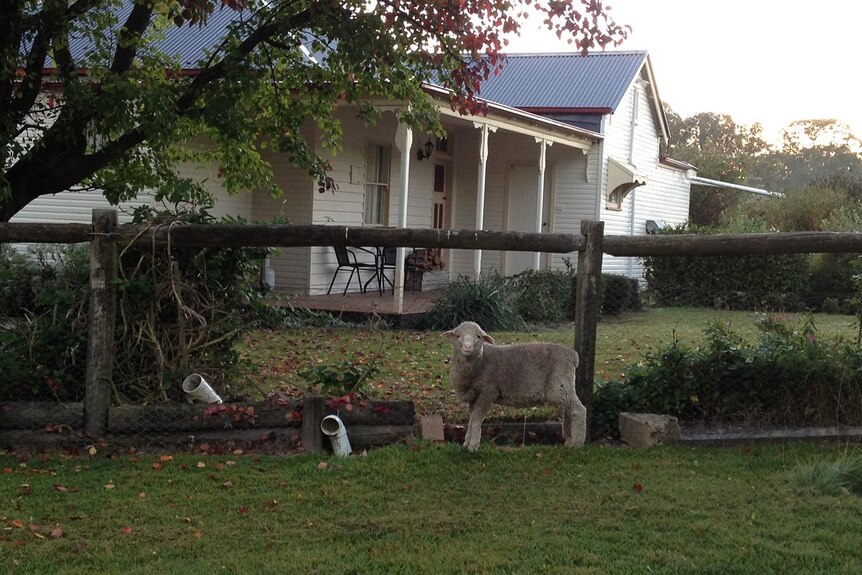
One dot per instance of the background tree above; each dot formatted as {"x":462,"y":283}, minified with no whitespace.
{"x":813,"y":152}
{"x":88,"y":98}
{"x":721,"y":150}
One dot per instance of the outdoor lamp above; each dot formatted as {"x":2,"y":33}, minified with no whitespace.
{"x":424,"y":152}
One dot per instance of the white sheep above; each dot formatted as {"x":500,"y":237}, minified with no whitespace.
{"x":518,"y":375}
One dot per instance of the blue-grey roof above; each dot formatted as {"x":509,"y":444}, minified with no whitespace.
{"x":564,"y":81}
{"x":189,"y":43}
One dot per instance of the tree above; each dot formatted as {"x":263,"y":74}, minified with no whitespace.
{"x":88,"y":98}
{"x":815,"y":152}
{"x":720,"y":149}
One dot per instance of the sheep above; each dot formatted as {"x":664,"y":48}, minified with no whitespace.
{"x":519,"y":375}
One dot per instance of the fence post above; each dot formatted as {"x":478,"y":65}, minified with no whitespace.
{"x":587,"y":307}
{"x":102,"y":315}
{"x":312,"y":415}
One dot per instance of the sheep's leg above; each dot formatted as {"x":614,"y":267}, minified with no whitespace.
{"x":575,"y":423}
{"x":478,"y":410}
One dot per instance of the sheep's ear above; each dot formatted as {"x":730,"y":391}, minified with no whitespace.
{"x":449,"y":334}
{"x":487,"y":338}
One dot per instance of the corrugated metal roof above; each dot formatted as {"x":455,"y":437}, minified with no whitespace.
{"x":564,"y":81}
{"x":188,"y":43}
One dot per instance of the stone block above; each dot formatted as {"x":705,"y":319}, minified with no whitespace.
{"x":648,"y":429}
{"x":432,"y":427}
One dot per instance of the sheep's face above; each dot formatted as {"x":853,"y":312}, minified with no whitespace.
{"x":468,"y":339}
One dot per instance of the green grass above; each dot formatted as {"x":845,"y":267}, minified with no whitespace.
{"x":413,"y":364}
{"x":430,"y":509}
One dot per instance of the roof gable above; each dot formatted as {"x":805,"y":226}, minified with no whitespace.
{"x":595,"y":82}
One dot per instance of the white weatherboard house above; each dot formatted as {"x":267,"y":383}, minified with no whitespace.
{"x":566,"y":138}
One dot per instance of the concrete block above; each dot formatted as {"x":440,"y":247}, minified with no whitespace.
{"x":648,"y":429}
{"x":432,"y":427}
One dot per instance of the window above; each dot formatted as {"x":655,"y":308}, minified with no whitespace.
{"x":377,"y":160}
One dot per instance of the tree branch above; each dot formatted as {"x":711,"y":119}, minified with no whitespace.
{"x":128,"y":37}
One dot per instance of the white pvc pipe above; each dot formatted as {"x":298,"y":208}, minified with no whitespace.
{"x":333,"y":427}
{"x":197,"y":389}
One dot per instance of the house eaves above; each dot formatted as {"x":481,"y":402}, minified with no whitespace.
{"x":520,"y":121}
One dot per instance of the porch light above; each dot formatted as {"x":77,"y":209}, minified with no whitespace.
{"x":425,"y":151}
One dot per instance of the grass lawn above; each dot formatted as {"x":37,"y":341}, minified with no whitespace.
{"x":413,"y":364}
{"x":430,"y":509}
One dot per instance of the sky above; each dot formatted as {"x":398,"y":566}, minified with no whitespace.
{"x":767,"y":61}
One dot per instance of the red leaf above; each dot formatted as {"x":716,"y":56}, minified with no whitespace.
{"x":7,"y":408}
{"x":127,"y":530}
{"x":242,"y":510}
{"x":8,"y":470}
{"x":157,"y":466}
{"x":638,"y":487}
{"x":56,"y":532}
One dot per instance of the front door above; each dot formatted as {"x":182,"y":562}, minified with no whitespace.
{"x":522,"y":201}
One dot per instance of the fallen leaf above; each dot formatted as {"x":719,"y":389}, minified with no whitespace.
{"x":198,"y":533}
{"x":243,"y":510}
{"x":56,"y":532}
{"x":638,"y":487}
{"x":141,"y":495}
{"x":165,"y":458}
{"x":59,"y":488}
{"x":237,"y":452}
{"x":92,"y":450}
{"x":8,"y":470}
{"x":227,"y":484}
{"x":322,"y":465}
{"x":157,"y":466}
{"x":127,"y":530}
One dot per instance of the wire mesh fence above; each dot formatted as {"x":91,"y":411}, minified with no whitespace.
{"x":719,"y":305}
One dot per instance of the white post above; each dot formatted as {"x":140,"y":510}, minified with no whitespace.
{"x":404,"y":141}
{"x":480,"y":192}
{"x":543,"y":146}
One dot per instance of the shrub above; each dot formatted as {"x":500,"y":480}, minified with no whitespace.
{"x":343,"y":378}
{"x":488,"y":302}
{"x":545,"y":296}
{"x":178,"y":311}
{"x":609,"y":400}
{"x":775,"y":282}
{"x":619,"y":293}
{"x":43,"y":323}
{"x":788,"y":377}
{"x":831,"y":286}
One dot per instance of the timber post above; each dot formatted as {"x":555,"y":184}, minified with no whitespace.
{"x":312,"y":415}
{"x":587,"y":307}
{"x":102,"y":315}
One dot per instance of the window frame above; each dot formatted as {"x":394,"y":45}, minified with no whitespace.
{"x":378,"y":182}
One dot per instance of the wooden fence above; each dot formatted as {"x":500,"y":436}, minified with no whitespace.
{"x":104,"y":235}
